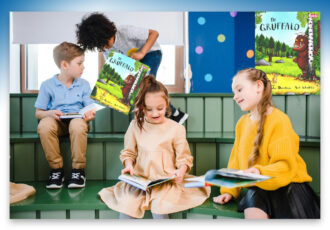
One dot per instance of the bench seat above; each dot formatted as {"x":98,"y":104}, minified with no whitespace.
{"x":201,"y":137}
{"x":78,"y":200}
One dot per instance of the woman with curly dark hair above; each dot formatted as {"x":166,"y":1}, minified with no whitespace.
{"x":97,"y":31}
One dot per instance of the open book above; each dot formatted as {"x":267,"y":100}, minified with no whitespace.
{"x":92,"y":106}
{"x":229,"y":178}
{"x":141,"y":182}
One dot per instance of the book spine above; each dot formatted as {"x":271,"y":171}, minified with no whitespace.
{"x":135,"y":82}
{"x":310,"y":40}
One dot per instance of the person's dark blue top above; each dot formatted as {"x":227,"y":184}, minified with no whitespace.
{"x":53,"y":95}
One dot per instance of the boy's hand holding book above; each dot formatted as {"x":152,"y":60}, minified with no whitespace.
{"x":89,"y":115}
{"x":55,"y":114}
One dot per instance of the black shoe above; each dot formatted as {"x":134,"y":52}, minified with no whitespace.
{"x":179,"y":116}
{"x":77,"y":179}
{"x":56,"y":178}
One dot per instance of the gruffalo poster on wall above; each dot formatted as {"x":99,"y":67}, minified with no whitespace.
{"x":287,"y":48}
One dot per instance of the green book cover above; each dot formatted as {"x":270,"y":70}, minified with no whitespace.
{"x":119,"y":81}
{"x":287,"y":49}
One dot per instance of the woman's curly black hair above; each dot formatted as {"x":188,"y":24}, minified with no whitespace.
{"x":95,"y":31}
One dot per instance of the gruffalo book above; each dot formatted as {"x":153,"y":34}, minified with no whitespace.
{"x":119,"y":81}
{"x":287,"y":49}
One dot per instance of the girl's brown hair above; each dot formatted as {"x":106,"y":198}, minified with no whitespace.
{"x":266,"y":101}
{"x":149,"y":85}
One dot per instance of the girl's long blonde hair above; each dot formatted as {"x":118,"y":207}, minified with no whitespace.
{"x":265,"y":102}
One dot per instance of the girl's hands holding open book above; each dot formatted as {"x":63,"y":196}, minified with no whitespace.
{"x":252,"y":170}
{"x":179,"y":174}
{"x":128,"y":167}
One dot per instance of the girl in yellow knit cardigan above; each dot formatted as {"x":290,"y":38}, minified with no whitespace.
{"x":266,"y":144}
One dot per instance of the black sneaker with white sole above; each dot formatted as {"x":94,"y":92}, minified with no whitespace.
{"x":77,"y":179}
{"x":179,"y":116}
{"x":56,"y":179}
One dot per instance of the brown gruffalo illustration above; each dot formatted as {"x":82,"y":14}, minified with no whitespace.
{"x":301,"y":46}
{"x":128,"y":85}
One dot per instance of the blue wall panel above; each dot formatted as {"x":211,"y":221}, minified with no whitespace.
{"x":211,"y":51}
{"x":244,"y":40}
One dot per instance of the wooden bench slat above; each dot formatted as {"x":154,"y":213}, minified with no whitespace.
{"x":201,"y":137}
{"x":87,"y":199}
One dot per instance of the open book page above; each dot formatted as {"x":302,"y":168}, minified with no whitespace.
{"x":194,"y":182}
{"x":71,"y":116}
{"x":136,"y":181}
{"x":93,"y":106}
{"x":159,"y":181}
{"x":199,"y":179}
{"x":230,"y":182}
{"x":229,"y":178}
{"x":240,"y":174}
{"x":141,"y":182}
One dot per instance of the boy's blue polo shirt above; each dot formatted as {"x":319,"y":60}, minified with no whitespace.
{"x":53,"y":95}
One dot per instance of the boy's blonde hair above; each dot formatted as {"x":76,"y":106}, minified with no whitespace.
{"x":66,"y":51}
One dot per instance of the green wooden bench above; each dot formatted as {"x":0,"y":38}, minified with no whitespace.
{"x":207,"y":113}
{"x":210,"y":150}
{"x":85,"y":204}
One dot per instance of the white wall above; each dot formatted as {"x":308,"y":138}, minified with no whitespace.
{"x":14,"y":69}
{"x":56,"y":27}
{"x":14,"y":64}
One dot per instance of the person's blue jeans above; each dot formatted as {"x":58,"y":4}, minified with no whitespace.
{"x":153,"y":59}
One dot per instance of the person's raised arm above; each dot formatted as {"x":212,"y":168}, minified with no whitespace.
{"x":152,"y":37}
